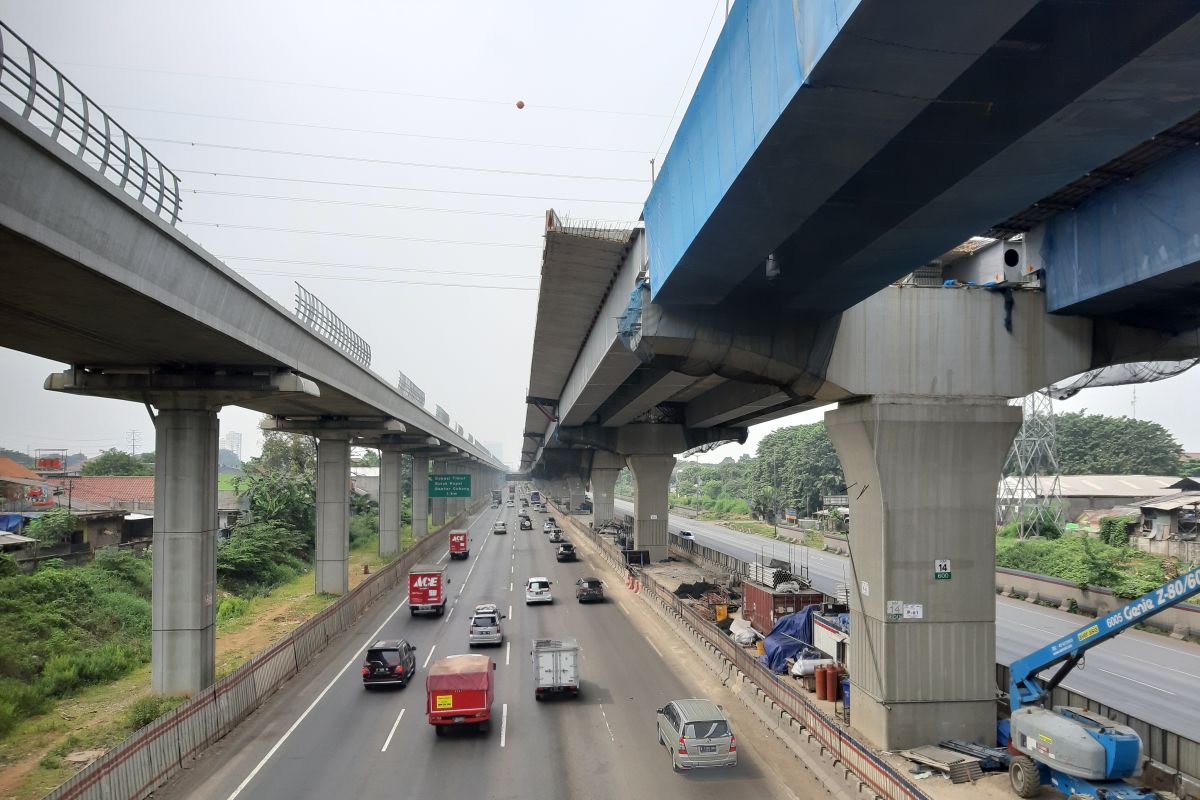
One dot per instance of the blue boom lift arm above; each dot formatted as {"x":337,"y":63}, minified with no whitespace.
{"x":1024,"y":686}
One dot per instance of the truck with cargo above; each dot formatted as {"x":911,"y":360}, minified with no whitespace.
{"x":496,"y":498}
{"x":762,"y":606}
{"x":460,"y":544}
{"x":555,"y":667}
{"x":535,"y":497}
{"x":459,"y":692}
{"x":427,"y":589}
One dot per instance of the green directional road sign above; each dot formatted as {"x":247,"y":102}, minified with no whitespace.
{"x":450,"y":485}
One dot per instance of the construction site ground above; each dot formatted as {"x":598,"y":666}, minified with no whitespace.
{"x":672,"y":574}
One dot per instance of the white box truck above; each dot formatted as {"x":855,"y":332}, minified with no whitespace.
{"x":555,"y":667}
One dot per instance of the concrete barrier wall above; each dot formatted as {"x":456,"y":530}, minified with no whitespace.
{"x":150,"y":756}
{"x":1095,"y":600}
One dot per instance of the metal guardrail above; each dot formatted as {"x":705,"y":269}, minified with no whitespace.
{"x":320,"y":319}
{"x":868,"y":767}
{"x":35,"y":89}
{"x":152,"y":755}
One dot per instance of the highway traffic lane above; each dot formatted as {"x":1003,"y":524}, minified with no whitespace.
{"x":1143,"y":674}
{"x":328,"y":687}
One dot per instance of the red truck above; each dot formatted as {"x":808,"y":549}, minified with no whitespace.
{"x":460,"y":544}
{"x":762,"y":607}
{"x":459,"y":691}
{"x":427,"y":589}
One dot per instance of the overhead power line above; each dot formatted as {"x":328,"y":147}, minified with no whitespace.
{"x":379,"y":132}
{"x":390,"y":162}
{"x":343,"y":265}
{"x":688,"y":80}
{"x":364,"y":204}
{"x":366,"y":90}
{"x":354,"y":235}
{"x":395,"y":280}
{"x":353,"y":185}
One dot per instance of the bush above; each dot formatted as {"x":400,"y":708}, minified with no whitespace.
{"x":8,"y":566}
{"x":257,"y":557}
{"x":363,"y":527}
{"x":65,"y":673}
{"x":147,"y":709}
{"x":1115,"y":530}
{"x":232,"y":607}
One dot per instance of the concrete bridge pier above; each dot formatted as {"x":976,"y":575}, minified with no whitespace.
{"x":333,"y":513}
{"x":437,"y":505}
{"x":651,"y":480}
{"x":420,"y":496}
{"x":605,"y":468}
{"x":391,"y":498}
{"x":576,"y":491}
{"x":922,"y":475}
{"x":184,"y":578}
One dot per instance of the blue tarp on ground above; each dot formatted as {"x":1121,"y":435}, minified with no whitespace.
{"x":790,"y":635}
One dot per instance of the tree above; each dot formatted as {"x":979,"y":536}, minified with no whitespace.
{"x":227,"y":459}
{"x":800,"y":464}
{"x":117,"y":462}
{"x":52,"y":527}
{"x":1094,"y":444}
{"x":369,"y":458}
{"x":280,"y":483}
{"x":1191,"y":468}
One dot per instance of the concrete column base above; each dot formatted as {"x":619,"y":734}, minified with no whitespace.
{"x":333,"y":515}
{"x":391,"y":461}
{"x":184,"y":576}
{"x":420,"y":496}
{"x":923,"y":473}
{"x":651,"y":479}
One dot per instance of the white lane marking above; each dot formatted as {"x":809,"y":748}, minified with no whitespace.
{"x":510,"y":586}
{"x":660,"y":655}
{"x":275,"y":747}
{"x":610,"y":730}
{"x":1131,"y":680}
{"x":463,"y":588}
{"x":431,"y":649}
{"x":510,"y":612}
{"x":512,"y":570}
{"x":503,"y":723}
{"x":507,"y":653}
{"x":443,"y":558}
{"x":392,"y":733}
{"x":451,"y":614}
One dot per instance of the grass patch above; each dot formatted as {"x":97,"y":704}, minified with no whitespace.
{"x":754,"y":526}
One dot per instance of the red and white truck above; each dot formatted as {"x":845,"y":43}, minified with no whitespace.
{"x":427,"y":589}
{"x":459,"y":691}
{"x":460,"y":544}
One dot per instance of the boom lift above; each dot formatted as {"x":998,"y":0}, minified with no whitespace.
{"x":1080,"y":753}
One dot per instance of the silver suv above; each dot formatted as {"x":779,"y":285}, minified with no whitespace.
{"x":696,"y":733}
{"x":485,"y":626}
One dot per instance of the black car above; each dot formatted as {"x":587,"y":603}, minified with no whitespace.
{"x":526,"y":524}
{"x":566,"y":552}
{"x":391,"y":662}
{"x":589,"y":590}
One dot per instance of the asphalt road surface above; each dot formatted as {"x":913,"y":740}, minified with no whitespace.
{"x":323,"y":736}
{"x":1142,"y":674}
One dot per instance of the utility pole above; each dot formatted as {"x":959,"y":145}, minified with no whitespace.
{"x":132,"y":438}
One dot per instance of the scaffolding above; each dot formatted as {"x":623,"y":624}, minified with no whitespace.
{"x":1031,"y":495}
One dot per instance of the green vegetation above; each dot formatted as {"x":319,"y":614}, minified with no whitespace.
{"x":1115,"y":530}
{"x":52,"y":527}
{"x":65,"y":628}
{"x":145,"y":710}
{"x":1094,"y":444}
{"x":1083,"y":561}
{"x":118,"y":462}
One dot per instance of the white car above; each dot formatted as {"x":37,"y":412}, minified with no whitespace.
{"x":510,"y":503}
{"x":485,"y":626}
{"x":548,"y":527}
{"x":499,"y":527}
{"x":691,"y":537}
{"x":537,"y":590}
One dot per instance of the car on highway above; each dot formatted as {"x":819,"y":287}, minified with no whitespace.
{"x":691,"y":537}
{"x":696,"y":733}
{"x":566,"y":552}
{"x":389,"y":662}
{"x":537,"y":590}
{"x":526,"y":524}
{"x":485,"y":626}
{"x":589,"y":590}
{"x":548,"y":527}
{"x":499,"y":527}
{"x":510,"y":503}
{"x":556,"y":537}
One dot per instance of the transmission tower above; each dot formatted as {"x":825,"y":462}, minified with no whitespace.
{"x":1032,"y":496}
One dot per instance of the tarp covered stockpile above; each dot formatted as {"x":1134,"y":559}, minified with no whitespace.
{"x":459,"y":673}
{"x":790,"y":635}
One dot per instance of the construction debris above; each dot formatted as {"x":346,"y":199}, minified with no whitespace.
{"x":961,"y":768}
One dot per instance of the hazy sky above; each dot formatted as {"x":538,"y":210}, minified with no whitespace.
{"x":418,"y":101}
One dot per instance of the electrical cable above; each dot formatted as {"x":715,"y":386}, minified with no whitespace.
{"x":395,"y":280}
{"x":378,"y":132}
{"x":389,"y":162}
{"x":353,"y":235}
{"x":688,"y":80}
{"x":352,"y":185}
{"x":433,"y":270}
{"x":360,"y":89}
{"x":391,"y":206}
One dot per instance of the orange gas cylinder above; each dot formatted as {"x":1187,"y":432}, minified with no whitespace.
{"x":831,"y":683}
{"x":822,"y":686}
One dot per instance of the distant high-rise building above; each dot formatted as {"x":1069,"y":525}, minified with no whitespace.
{"x":233,"y":441}
{"x":496,"y":449}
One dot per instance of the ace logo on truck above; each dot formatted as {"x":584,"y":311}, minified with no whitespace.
{"x":426,"y":582}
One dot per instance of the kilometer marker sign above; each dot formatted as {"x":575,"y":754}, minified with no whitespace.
{"x":941,"y":569}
